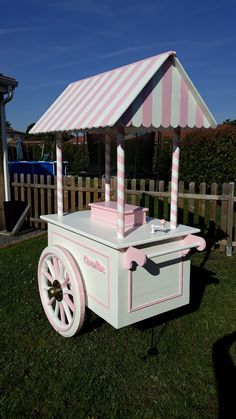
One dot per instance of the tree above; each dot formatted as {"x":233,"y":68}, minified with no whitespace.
{"x":230,"y":122}
{"x":47,"y":136}
{"x":29,"y":127}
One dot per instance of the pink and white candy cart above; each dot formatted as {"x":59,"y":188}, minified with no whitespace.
{"x":112,"y":258}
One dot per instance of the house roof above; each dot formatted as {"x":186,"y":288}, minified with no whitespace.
{"x":5,"y":82}
{"x":147,"y":95}
{"x":14,"y":132}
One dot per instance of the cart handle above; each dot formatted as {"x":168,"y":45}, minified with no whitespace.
{"x":133,"y":255}
{"x":194,"y":241}
{"x":136,"y":255}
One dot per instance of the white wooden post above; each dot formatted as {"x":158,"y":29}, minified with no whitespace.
{"x":6,"y":176}
{"x":107,"y":167}
{"x":174,"y":179}
{"x":120,"y":183}
{"x":59,"y":174}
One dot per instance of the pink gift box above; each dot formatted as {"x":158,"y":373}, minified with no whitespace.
{"x":107,"y":212}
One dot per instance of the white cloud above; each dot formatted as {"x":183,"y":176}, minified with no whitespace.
{"x":8,"y":31}
{"x":122,"y":51}
{"x":157,"y":48}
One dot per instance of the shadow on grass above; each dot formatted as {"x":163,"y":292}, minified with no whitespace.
{"x":225,"y":373}
{"x":199,"y":280}
{"x":92,"y":322}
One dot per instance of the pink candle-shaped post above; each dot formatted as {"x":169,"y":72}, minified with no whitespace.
{"x":174,"y":179}
{"x":107,"y":167}
{"x":120,"y":183}
{"x":59,"y":174}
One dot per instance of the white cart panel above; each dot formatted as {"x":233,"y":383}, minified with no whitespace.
{"x":159,"y":280}
{"x":98,"y":267}
{"x":161,"y":285}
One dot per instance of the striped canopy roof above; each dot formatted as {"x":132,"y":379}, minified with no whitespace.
{"x":147,"y":95}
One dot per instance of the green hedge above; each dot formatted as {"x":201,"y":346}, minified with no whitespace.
{"x":205,"y":156}
{"x":77,"y":157}
{"x":209,"y":155}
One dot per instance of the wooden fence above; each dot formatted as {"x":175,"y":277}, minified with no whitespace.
{"x":211,"y":208}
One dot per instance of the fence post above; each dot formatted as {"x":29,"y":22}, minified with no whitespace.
{"x":16,"y":195}
{"x":142,"y":197}
{"x":230,"y":218}
{"x":49,"y":195}
{"x":191,"y":204}
{"x":81,"y":197}
{"x":42,"y":199}
{"x":36,"y":200}
{"x":151,"y":198}
{"x":213,"y":208}
{"x":72,"y":193}
{"x":181,"y":204}
{"x":22,"y":188}
{"x":95,"y":186}
{"x":29,"y":192}
{"x":88,"y":191}
{"x":223,"y":216}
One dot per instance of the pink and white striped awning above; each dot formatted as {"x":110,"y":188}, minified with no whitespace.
{"x":150,"y":94}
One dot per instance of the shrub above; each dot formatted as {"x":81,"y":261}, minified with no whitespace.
{"x":162,"y":159}
{"x":76,"y":156}
{"x":209,"y":155}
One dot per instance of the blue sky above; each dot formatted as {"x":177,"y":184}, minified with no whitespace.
{"x":46,"y":44}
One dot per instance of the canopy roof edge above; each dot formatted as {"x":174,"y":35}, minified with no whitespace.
{"x":149,"y":95}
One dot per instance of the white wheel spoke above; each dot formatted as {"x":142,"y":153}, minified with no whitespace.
{"x":64,"y":283}
{"x":56,"y":309}
{"x":45,"y":287}
{"x":67,"y":291}
{"x":60,"y":264}
{"x":48,"y":276}
{"x":56,"y":266}
{"x":50,"y":267}
{"x":62,"y":314}
{"x":51,"y":301}
{"x":62,"y":274}
{"x":69,"y":303}
{"x":67,"y":311}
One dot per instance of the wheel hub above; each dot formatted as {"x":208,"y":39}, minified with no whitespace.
{"x":56,"y":291}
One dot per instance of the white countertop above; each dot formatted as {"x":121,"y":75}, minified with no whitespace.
{"x":81,"y":223}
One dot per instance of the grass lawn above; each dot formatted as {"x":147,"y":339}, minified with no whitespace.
{"x":107,"y":373}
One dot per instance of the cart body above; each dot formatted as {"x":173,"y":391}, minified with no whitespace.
{"x":116,"y":287}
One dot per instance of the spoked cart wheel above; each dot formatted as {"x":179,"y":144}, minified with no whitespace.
{"x":61,"y":290}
